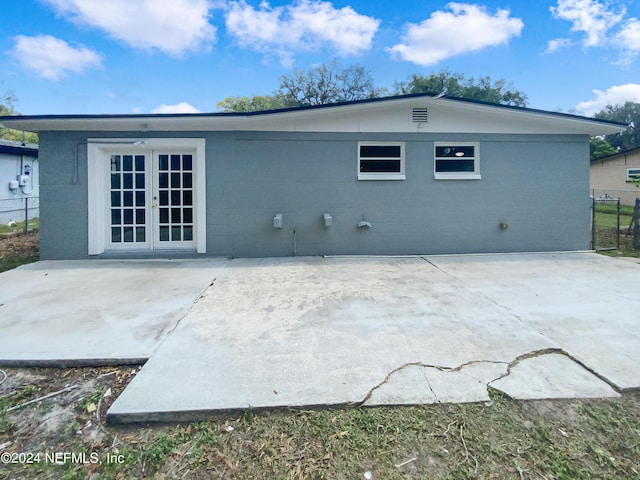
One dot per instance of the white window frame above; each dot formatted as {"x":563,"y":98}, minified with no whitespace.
{"x":382,"y":175}
{"x":98,"y":152}
{"x":475,"y":175}
{"x":631,"y":177}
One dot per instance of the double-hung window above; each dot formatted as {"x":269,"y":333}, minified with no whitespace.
{"x":633,"y":174}
{"x":457,"y":161}
{"x":381,"y":161}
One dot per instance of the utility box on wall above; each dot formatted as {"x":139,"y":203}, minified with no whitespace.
{"x":18,"y":171}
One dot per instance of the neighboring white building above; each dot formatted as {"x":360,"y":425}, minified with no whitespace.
{"x":19,"y":181}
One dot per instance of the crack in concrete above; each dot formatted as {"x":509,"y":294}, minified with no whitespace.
{"x":550,"y":351}
{"x":441,"y":368}
{"x":510,"y":366}
{"x":171,"y":328}
{"x":471,"y":289}
{"x":426,"y":379}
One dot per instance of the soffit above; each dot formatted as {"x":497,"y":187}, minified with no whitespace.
{"x":384,"y":115}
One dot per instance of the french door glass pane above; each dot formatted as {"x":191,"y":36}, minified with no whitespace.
{"x":175,"y":192}
{"x":128,"y":225}
{"x":129,"y":211}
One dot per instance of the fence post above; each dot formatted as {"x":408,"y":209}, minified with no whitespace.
{"x":618,"y":227}
{"x":26,"y":215}
{"x":636,"y":225}
{"x":593,"y":222}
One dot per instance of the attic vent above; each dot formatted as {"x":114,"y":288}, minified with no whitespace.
{"x":420,"y":115}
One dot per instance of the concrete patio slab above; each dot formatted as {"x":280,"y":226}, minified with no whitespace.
{"x":311,"y":331}
{"x":552,"y":376}
{"x":371,"y":331}
{"x":96,"y":311}
{"x":588,"y":304}
{"x":421,"y":384}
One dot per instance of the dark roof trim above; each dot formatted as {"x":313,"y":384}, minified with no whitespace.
{"x":297,"y":109}
{"x":19,"y":150}
{"x":615,"y":155}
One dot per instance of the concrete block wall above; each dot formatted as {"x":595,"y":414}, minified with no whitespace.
{"x":537,"y":184}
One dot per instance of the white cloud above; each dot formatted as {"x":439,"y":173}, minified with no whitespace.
{"x":301,"y":26}
{"x":616,"y":95}
{"x":171,"y":26}
{"x":52,"y":58}
{"x":603,"y":25}
{"x":593,"y":17}
{"x":182,"y":107}
{"x":628,"y":40}
{"x":557,"y":44}
{"x":466,"y":28}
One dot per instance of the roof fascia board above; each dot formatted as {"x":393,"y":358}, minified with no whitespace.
{"x":13,"y":150}
{"x":624,"y":153}
{"x":303,"y":118}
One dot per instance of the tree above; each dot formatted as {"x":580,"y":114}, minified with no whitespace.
{"x":326,"y":83}
{"x":598,"y":148}
{"x":8,"y":101}
{"x":253,"y":104}
{"x":332,"y":83}
{"x":628,"y":113}
{"x":456,"y":85}
{"x":329,"y":83}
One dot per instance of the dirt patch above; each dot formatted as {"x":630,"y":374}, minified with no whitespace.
{"x":500,"y":439}
{"x":19,"y":245}
{"x":46,"y":406}
{"x":18,"y":249}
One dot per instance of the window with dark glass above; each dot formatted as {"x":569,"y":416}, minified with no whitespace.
{"x":633,"y":174}
{"x":380,"y":161}
{"x":456,"y":161}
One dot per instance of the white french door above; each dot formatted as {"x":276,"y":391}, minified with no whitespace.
{"x":173,"y":200}
{"x":151,"y":200}
{"x":146,"y":195}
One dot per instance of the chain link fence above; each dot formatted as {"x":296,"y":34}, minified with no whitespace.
{"x":614,"y":225}
{"x":19,"y":214}
{"x":627,"y":196}
{"x":605,"y":223}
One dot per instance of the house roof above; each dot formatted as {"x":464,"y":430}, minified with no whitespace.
{"x":616,"y":155}
{"x":18,"y":148}
{"x":388,"y":114}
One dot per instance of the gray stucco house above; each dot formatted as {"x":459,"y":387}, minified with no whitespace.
{"x":412,"y":174}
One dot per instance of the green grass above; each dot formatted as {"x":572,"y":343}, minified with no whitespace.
{"x":612,"y":208}
{"x":569,"y":440}
{"x":606,"y":224}
{"x":11,"y":263}
{"x":18,"y":227}
{"x":609,"y":220}
{"x":17,"y":249}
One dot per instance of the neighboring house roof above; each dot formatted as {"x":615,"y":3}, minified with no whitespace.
{"x":388,"y":114}
{"x":18,"y":148}
{"x":624,"y":153}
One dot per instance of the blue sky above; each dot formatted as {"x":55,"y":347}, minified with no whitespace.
{"x":144,"y":56}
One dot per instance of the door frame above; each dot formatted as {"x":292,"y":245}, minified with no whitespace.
{"x":98,"y":152}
